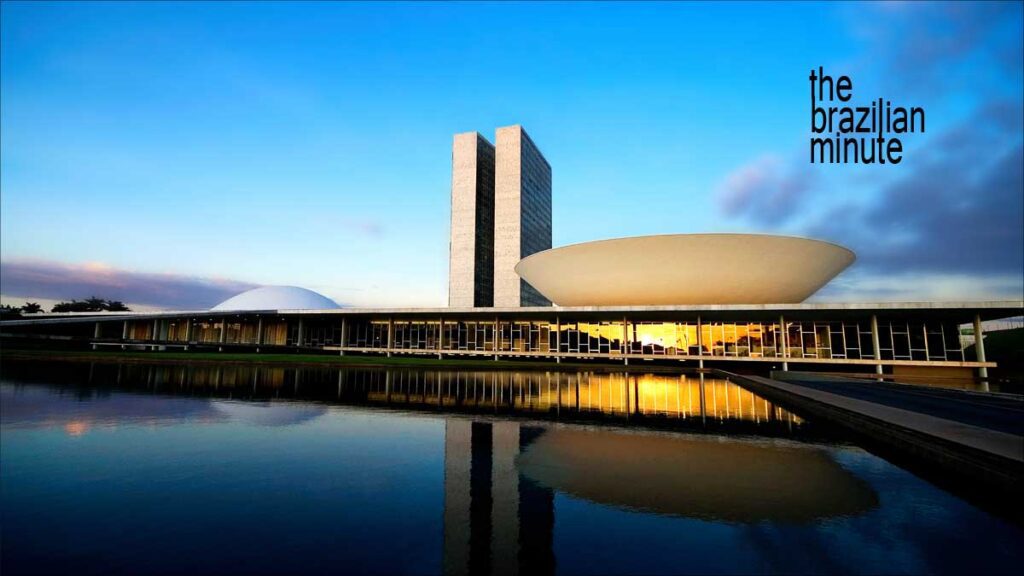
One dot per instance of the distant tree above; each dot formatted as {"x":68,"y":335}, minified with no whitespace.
{"x":31,"y":308}
{"x":72,"y":306}
{"x":94,"y":304}
{"x":91,"y":304}
{"x":8,"y":312}
{"x":61,"y":307}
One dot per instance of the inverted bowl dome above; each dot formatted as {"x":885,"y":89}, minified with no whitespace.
{"x":277,"y":298}
{"x":685,"y":269}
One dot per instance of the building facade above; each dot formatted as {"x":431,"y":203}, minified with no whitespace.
{"x":895,"y":339}
{"x":522,"y":214}
{"x":471,"y":247}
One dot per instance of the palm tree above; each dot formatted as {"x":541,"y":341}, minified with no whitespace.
{"x":94,"y":304}
{"x":91,"y":304}
{"x":31,"y":308}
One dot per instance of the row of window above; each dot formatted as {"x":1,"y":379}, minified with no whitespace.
{"x":209,"y":331}
{"x":813,"y":340}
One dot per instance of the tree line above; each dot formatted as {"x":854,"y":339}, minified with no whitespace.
{"x":91,"y":304}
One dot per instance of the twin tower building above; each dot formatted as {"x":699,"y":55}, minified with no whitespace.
{"x":501,"y":213}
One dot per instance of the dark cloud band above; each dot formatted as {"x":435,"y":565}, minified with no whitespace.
{"x":62,"y":281}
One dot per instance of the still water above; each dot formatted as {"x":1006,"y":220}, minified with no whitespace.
{"x":159,"y":469}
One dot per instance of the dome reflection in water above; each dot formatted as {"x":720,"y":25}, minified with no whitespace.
{"x":698,"y":477}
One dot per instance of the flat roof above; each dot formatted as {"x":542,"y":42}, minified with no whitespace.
{"x":960,"y":311}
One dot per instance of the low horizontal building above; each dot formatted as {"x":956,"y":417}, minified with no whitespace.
{"x":895,"y":338}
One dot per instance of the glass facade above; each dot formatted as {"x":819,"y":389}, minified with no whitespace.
{"x":367,"y":334}
{"x":206,"y":331}
{"x":416,"y":335}
{"x":175,"y":330}
{"x":525,"y":336}
{"x":316,"y":333}
{"x":140,"y":330}
{"x":275,"y":333}
{"x":794,"y":341}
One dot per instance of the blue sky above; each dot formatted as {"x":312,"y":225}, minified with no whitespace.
{"x":170,"y":154}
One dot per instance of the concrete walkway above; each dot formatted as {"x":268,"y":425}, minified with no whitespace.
{"x":987,"y":462}
{"x":997,"y":442}
{"x":994,"y":411}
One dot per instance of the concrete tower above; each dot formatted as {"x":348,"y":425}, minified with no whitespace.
{"x":471,"y":249}
{"x":522,"y":214}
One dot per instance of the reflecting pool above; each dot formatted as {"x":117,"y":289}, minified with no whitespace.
{"x":163,"y":469}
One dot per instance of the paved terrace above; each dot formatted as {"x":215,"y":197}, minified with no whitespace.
{"x":998,"y":412}
{"x":976,"y":437}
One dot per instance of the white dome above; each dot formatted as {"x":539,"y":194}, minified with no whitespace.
{"x":277,"y":298}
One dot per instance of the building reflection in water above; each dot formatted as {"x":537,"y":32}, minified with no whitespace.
{"x":689,"y":400}
{"x":677,"y":400}
{"x":496,"y":520}
{"x":502,"y":472}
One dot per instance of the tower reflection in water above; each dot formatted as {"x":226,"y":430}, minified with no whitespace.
{"x":496,"y":520}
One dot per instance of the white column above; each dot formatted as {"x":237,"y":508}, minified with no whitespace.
{"x":877,"y":346}
{"x":625,"y":341}
{"x":301,"y":338}
{"x":223,"y":329}
{"x":558,"y":339}
{"x":497,"y":339}
{"x":391,"y":335}
{"x":785,"y":343}
{"x":979,"y":348}
{"x":700,"y":345}
{"x":440,"y":338}
{"x":259,"y":331}
{"x":96,"y":335}
{"x":341,"y":344}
